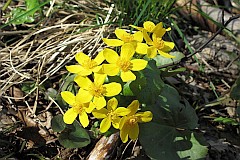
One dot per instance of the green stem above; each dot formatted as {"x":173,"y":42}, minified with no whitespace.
{"x":6,"y":5}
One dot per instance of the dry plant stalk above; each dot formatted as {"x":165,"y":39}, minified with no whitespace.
{"x":191,"y":9}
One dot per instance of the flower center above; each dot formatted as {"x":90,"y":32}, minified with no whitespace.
{"x":89,"y":64}
{"x":132,"y":120}
{"x":97,"y":90}
{"x":112,"y":115}
{"x":124,"y":65}
{"x":158,"y":43}
{"x":78,"y":107}
{"x":127,"y":38}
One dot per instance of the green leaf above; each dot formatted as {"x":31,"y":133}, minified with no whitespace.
{"x":153,"y":84}
{"x":170,"y":73}
{"x":198,"y":148}
{"x":74,"y":136}
{"x":20,"y":16}
{"x":57,"y":123}
{"x":32,"y":5}
{"x":69,"y":83}
{"x":133,"y":88}
{"x":235,"y":91}
{"x":15,"y":16}
{"x":171,"y":110}
{"x":51,"y":92}
{"x":168,"y":143}
{"x":226,"y":120}
{"x":28,"y":87}
{"x":163,"y":61}
{"x":169,"y":134}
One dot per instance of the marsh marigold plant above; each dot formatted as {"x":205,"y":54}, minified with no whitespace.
{"x":96,"y":78}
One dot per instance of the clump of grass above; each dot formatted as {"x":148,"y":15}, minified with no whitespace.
{"x":139,"y":11}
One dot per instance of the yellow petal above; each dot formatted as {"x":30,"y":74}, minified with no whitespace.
{"x":99,"y":58}
{"x":112,"y":89}
{"x":159,"y":30}
{"x":133,"y":107}
{"x":121,"y":111}
{"x":83,"y":82}
{"x":120,"y":33}
{"x":168,"y":46}
{"x":127,"y":76}
{"x":105,"y":125}
{"x":141,"y":48}
{"x":112,"y":104}
{"x":122,"y":122}
{"x":164,"y":54}
{"x":74,"y":68}
{"x":136,"y":27}
{"x":113,"y":42}
{"x":79,"y":70}
{"x":100,"y":102}
{"x":110,"y":69}
{"x":84,"y":96}
{"x":127,"y":51}
{"x":115,"y":122}
{"x":99,"y":78}
{"x":100,"y":114}
{"x":90,"y":107}
{"x":168,"y":29}
{"x":138,"y":36}
{"x":81,"y":57}
{"x":145,"y":116}
{"x":70,"y":116}
{"x":68,"y":97}
{"x":110,"y":55}
{"x":134,"y":131}
{"x":152,"y":52}
{"x":124,"y":133}
{"x":83,"y":118}
{"x":138,"y":64}
{"x":149,"y":26}
{"x":147,"y":38}
{"x":97,"y":69}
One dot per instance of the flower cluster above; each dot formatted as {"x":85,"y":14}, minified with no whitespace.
{"x":91,"y":75}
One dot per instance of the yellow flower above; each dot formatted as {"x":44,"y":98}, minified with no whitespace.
{"x":123,"y":63}
{"x":158,"y":45}
{"x":111,"y":115}
{"x":124,"y":37}
{"x":151,"y":27}
{"x":129,"y":124}
{"x":96,"y":91}
{"x":78,"y":108}
{"x":87,"y":65}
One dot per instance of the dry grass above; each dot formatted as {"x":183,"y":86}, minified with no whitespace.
{"x":39,"y":55}
{"x":42,"y":53}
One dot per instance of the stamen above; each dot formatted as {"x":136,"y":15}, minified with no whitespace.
{"x":124,"y":65}
{"x":97,"y":90}
{"x":89,"y":64}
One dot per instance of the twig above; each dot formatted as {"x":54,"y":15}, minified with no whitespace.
{"x":204,"y":45}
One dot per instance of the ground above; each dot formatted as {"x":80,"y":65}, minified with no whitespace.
{"x":33,"y":59}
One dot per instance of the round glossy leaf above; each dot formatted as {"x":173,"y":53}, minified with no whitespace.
{"x":57,"y":123}
{"x":74,"y":136}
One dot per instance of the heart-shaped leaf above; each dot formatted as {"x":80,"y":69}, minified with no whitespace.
{"x":74,"y":136}
{"x":57,"y":123}
{"x":169,"y":135}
